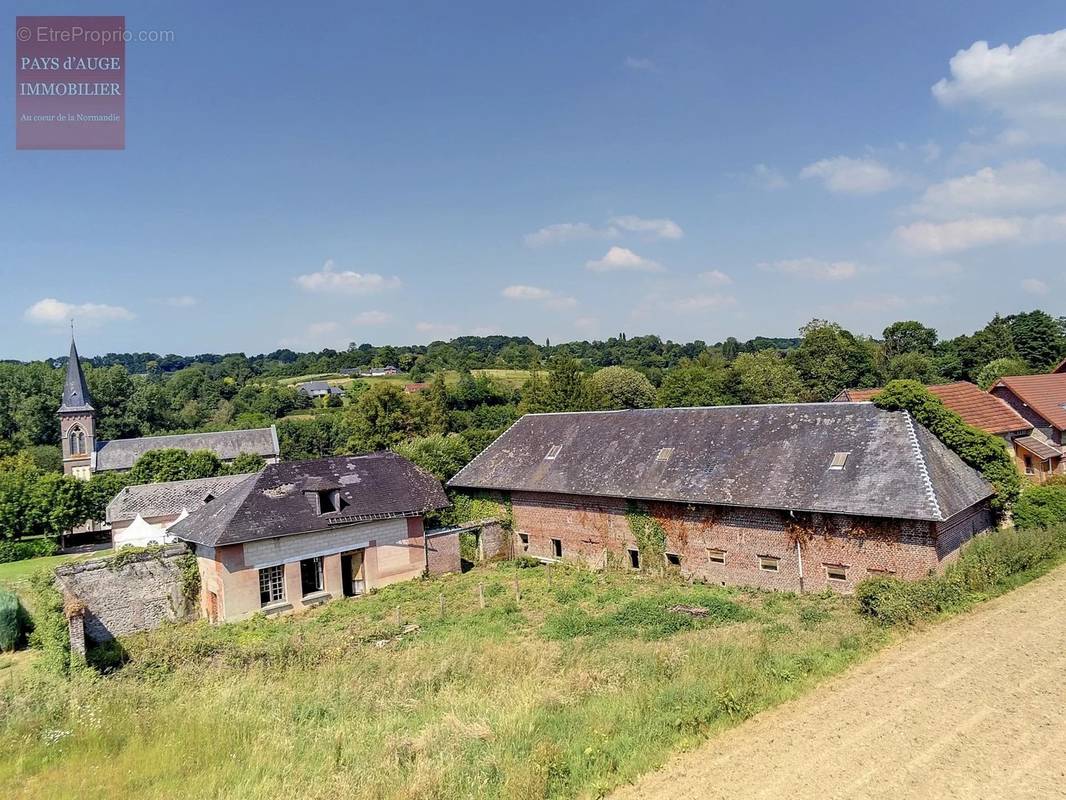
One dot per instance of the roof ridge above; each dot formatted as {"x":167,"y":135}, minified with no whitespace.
{"x":923,"y":468}
{"x":830,"y":403}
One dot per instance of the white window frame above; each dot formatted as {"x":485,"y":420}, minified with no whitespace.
{"x":271,"y":582}
{"x":830,"y":568}
{"x":765,"y":563}
{"x":712,"y":552}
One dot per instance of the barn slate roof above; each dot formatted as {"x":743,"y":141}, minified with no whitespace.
{"x":169,"y":498}
{"x":76,"y":395}
{"x":768,"y":456}
{"x":279,"y":501}
{"x":120,"y":454}
{"x":977,"y":408}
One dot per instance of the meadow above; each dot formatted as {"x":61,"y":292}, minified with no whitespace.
{"x":507,"y":681}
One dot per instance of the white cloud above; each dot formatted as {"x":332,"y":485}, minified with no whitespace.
{"x":563,"y":232}
{"x":1035,"y":286}
{"x":181,"y":301}
{"x":641,"y":64}
{"x":440,"y":329}
{"x":539,"y":295}
{"x":845,"y":175}
{"x":1026,"y":82}
{"x":939,"y":269}
{"x":715,"y":277}
{"x":965,"y":234}
{"x":588,"y":324}
{"x":622,"y":259}
{"x":329,"y":280}
{"x":50,"y":311}
{"x":813,"y":268}
{"x":768,"y":178}
{"x":655,"y":228}
{"x":372,"y":318}
{"x":1015,"y":186}
{"x":704,"y":302}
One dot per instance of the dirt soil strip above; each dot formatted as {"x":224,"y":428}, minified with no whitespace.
{"x":974,"y":707}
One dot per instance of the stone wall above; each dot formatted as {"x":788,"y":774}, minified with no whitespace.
{"x":442,"y":552}
{"x":494,"y":541}
{"x":125,"y":594}
{"x":736,"y":545}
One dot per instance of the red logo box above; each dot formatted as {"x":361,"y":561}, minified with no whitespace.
{"x":70,"y":83}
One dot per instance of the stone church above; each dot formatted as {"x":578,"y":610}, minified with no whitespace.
{"x":84,"y":455}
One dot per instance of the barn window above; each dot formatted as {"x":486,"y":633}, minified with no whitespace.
{"x":326,"y":502}
{"x":523,"y":539}
{"x":664,"y":454}
{"x":715,"y":556}
{"x":839,"y":460}
{"x":557,"y":548}
{"x":769,"y":563}
{"x":311,"y":575}
{"x":836,"y":572}
{"x":634,"y":559}
{"x":271,"y":584}
{"x":1029,"y":466}
{"x":673,"y":559}
{"x":553,"y":452}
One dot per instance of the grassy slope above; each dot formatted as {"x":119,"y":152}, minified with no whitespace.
{"x":574,"y":689}
{"x":507,"y":377}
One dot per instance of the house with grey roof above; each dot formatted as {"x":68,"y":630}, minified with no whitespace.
{"x":84,"y":454}
{"x":791,"y":496}
{"x":317,"y":389}
{"x":299,"y":533}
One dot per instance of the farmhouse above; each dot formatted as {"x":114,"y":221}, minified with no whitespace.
{"x":84,"y":455}
{"x":316,"y":389}
{"x":800,"y":496}
{"x":990,"y":413}
{"x":141,"y":514}
{"x":299,"y":533}
{"x":1041,"y":399}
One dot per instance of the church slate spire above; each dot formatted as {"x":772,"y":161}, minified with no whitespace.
{"x":76,"y":395}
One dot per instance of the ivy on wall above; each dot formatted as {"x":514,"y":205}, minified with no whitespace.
{"x":649,"y":534}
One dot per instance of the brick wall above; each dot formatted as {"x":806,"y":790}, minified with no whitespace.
{"x":443,"y":552}
{"x":138,"y":595}
{"x":596,"y":531}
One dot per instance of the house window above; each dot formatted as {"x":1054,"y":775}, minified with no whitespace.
{"x":715,"y":556}
{"x":1029,"y":466}
{"x":769,"y":563}
{"x":836,"y":572}
{"x":664,"y":454}
{"x":311,"y":575}
{"x":326,"y":502}
{"x":673,"y":559}
{"x":557,"y":548}
{"x":523,"y":539}
{"x":553,"y":452}
{"x":634,"y":559}
{"x":271,"y":585}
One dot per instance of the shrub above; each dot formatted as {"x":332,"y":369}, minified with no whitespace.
{"x":1041,"y":506}
{"x":51,"y":633}
{"x":30,"y":548}
{"x":12,"y":621}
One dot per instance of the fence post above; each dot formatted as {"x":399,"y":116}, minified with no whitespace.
{"x":548,"y":570}
{"x":442,"y":604}
{"x":481,"y":594}
{"x":517,"y":590}
{"x":397,"y":616}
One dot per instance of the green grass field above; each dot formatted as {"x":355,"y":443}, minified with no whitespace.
{"x":508,"y":377}
{"x":14,"y":574}
{"x":567,"y":691}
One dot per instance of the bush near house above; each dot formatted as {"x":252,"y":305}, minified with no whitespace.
{"x":1042,"y":506}
{"x":13,"y":621}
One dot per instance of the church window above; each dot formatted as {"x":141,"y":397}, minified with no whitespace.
{"x":77,"y":441}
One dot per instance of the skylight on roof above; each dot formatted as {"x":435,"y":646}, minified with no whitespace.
{"x":553,"y":452}
{"x":664,"y":454}
{"x":839,"y":460}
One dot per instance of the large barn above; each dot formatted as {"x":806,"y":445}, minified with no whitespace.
{"x":799,"y":496}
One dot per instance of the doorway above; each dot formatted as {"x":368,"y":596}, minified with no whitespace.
{"x":353,"y":575}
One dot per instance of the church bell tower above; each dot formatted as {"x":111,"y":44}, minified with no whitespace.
{"x":77,"y":421}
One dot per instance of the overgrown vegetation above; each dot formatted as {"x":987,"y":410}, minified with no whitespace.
{"x":573,"y":689}
{"x":650,"y":536}
{"x":1042,"y":505}
{"x":989,"y":565}
{"x":30,"y":548}
{"x":50,"y":634}
{"x":189,"y":578}
{"x":985,"y":452}
{"x":13,"y":621}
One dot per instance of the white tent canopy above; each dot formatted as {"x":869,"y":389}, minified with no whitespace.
{"x":141,"y":534}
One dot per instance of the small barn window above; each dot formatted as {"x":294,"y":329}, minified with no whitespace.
{"x":272,"y":584}
{"x":634,"y":559}
{"x":664,"y":454}
{"x":839,"y":460}
{"x":836,"y":572}
{"x":523,"y":539}
{"x":553,"y":452}
{"x":715,"y":556}
{"x":769,"y":563}
{"x":557,"y":548}
{"x":673,"y":559}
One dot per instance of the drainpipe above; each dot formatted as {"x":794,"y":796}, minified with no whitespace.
{"x":799,"y":554}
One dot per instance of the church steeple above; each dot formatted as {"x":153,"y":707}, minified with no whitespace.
{"x":77,"y":420}
{"x":76,"y":395}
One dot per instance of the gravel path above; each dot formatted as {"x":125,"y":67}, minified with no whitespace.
{"x":971,"y":708}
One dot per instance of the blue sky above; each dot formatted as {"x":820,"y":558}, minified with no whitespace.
{"x":404,"y":172}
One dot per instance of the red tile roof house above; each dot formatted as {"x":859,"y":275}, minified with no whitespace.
{"x":1032,"y":452}
{"x":299,"y":533}
{"x":792,"y":497}
{"x":1041,"y":400}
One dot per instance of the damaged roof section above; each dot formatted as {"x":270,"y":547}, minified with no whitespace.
{"x":275,"y":501}
{"x":770,"y":456}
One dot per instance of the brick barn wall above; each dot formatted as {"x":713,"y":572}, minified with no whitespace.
{"x":596,"y":531}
